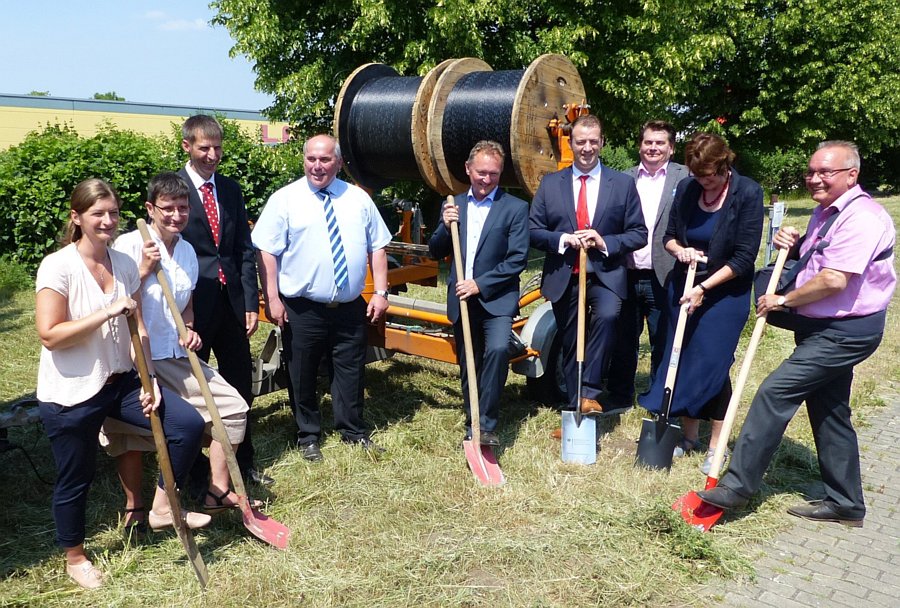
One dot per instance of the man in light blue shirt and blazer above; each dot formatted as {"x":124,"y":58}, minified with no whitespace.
{"x":493,"y":228}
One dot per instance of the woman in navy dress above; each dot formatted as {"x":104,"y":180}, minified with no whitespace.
{"x":717,"y":213}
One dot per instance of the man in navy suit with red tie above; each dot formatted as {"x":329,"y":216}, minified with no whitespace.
{"x":226,"y":299}
{"x":586,"y":206}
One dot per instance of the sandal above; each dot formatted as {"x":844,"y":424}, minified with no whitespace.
{"x":135,"y":527}
{"x":220,"y":504}
{"x":685,"y":446}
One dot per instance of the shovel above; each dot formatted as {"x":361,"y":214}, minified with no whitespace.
{"x":264,"y":528}
{"x":165,"y":464}
{"x":694,"y":511}
{"x":658,"y":437}
{"x":481,"y":458}
{"x":582,"y":321}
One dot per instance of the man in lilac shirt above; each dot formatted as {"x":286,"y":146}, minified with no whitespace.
{"x":840,"y":301}
{"x":649,"y":267}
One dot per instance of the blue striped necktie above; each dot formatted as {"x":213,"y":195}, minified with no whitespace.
{"x":341,"y":275}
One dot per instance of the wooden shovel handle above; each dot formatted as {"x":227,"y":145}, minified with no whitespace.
{"x":218,"y":427}
{"x":165,"y":463}
{"x":728,"y":422}
{"x":582,"y":305}
{"x":467,"y":334}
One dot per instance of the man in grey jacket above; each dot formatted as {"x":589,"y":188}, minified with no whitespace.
{"x":648,"y":268}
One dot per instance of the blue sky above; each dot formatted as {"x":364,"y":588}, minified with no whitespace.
{"x":159,"y":51}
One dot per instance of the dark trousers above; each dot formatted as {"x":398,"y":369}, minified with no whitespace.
{"x":646,"y":300}
{"x":314,"y":330}
{"x":73,"y":440}
{"x":819,"y":371}
{"x":602,"y":310}
{"x":226,"y":336}
{"x":490,"y":343}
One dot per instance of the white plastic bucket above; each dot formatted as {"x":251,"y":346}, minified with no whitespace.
{"x":579,"y":443}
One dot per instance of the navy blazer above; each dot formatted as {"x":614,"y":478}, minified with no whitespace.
{"x":500,"y":257}
{"x":617,"y":218}
{"x":737,"y":233}
{"x":235,"y":251}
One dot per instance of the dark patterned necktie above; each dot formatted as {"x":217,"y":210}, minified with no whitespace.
{"x":212,"y":214}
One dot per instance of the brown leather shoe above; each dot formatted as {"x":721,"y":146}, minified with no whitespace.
{"x":556,"y":434}
{"x":590,"y":406}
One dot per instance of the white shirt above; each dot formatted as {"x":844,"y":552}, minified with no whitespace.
{"x":593,"y":192}
{"x":292,"y":228}
{"x":476,"y":216}
{"x":69,"y":376}
{"x":650,"y":188}
{"x":182,"y":271}
{"x":198,"y":181}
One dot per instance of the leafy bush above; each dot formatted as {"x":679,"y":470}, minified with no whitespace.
{"x":38,"y":176}
{"x":14,"y":277}
{"x":778,"y":172}
{"x":619,"y":157}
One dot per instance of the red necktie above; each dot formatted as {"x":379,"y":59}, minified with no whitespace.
{"x":212,"y":214}
{"x":582,"y":219}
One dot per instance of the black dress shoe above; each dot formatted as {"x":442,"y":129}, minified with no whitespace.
{"x":822,"y":511}
{"x":311,"y":452}
{"x":489,"y":438}
{"x":723,"y":497}
{"x":258,"y":477}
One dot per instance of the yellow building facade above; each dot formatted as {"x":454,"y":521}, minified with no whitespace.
{"x":21,"y":114}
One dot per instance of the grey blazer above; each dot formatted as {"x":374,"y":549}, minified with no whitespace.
{"x":660,"y":259}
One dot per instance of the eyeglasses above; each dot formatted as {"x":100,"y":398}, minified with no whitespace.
{"x":824,"y":173}
{"x":170,"y":211}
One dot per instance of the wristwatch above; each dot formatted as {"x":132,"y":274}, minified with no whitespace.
{"x":384,"y":293}
{"x":781,"y":300}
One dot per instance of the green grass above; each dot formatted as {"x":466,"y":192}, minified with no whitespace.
{"x":413,"y":527}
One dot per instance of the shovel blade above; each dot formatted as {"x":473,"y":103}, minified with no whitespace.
{"x":657,"y":443}
{"x":483,"y":464}
{"x":698,"y":514}
{"x":264,"y":527}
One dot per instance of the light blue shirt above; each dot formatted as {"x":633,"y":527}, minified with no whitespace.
{"x":476,"y":216}
{"x":292,"y":228}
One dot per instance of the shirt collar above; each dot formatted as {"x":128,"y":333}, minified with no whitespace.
{"x":595,"y":172}
{"x":487,"y":199}
{"x":642,"y":171}
{"x":196,"y":179}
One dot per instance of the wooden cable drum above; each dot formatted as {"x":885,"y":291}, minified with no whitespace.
{"x":400,"y":128}
{"x":380,"y":121}
{"x":373,"y":124}
{"x":458,"y":68}
{"x":513,"y":108}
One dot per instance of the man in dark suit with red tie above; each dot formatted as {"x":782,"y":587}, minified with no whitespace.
{"x":586,"y":206}
{"x":226,"y":299}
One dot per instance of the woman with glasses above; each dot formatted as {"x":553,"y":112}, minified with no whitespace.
{"x":167,"y":209}
{"x":86,"y":372}
{"x":717,"y":213}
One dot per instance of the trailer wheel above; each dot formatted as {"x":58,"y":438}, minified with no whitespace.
{"x":550,"y":388}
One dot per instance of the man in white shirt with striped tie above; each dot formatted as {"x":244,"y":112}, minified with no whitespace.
{"x":315,"y":238}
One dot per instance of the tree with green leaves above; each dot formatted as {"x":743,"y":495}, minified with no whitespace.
{"x":774,"y":76}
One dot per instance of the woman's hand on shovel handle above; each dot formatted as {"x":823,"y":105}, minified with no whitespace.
{"x":150,"y":402}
